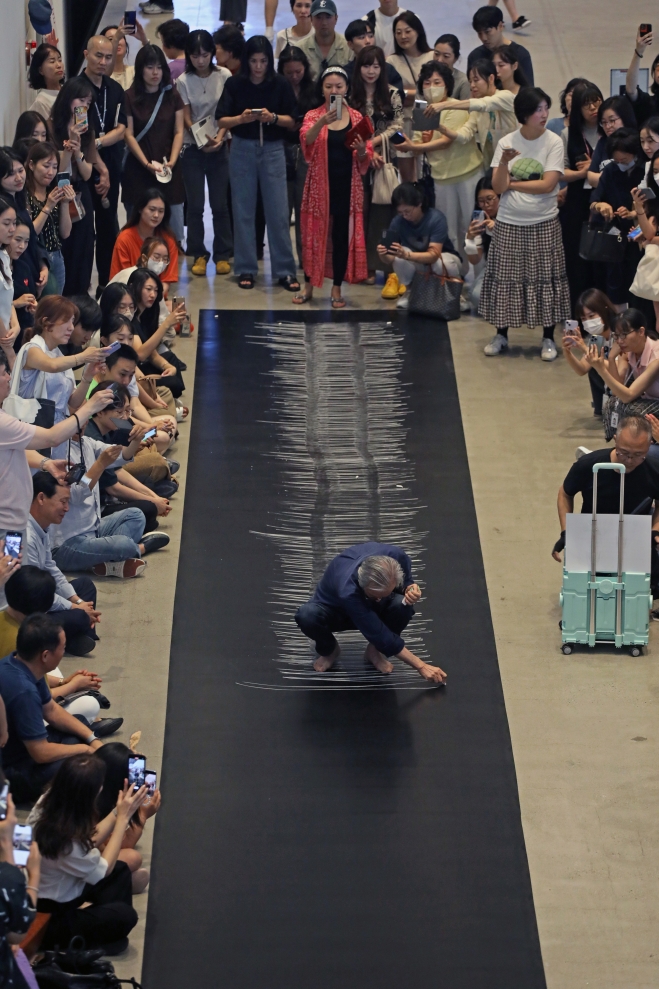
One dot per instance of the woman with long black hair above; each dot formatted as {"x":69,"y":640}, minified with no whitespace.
{"x":294,"y":65}
{"x":411,"y":51}
{"x":12,"y":182}
{"x":257,"y":106}
{"x":146,"y":290}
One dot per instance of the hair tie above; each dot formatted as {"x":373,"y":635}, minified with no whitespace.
{"x":333,"y":70}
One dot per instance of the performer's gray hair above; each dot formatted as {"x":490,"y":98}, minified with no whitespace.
{"x":378,"y":572}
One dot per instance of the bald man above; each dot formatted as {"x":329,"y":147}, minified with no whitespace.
{"x":108,"y":120}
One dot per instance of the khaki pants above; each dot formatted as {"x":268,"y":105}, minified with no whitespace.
{"x":149,"y":467}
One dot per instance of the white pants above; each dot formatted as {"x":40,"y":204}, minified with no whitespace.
{"x":456,"y":202}
{"x":88,"y":707}
{"x":406,"y":269}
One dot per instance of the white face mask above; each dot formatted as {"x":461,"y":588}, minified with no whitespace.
{"x":593,"y":326}
{"x":157,"y":267}
{"x":625,"y":167}
{"x":435,"y":93}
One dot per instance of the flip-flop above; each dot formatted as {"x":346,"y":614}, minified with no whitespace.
{"x":300,"y":300}
{"x":339,"y":303}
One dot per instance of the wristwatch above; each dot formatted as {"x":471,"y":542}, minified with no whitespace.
{"x":42,"y":465}
{"x":77,"y":600}
{"x":275,"y":118}
{"x":98,"y":143}
{"x":92,"y":738}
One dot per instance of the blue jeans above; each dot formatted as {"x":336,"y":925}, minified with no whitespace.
{"x":118,"y":536}
{"x":200,"y":168}
{"x":57,"y":268}
{"x":176,"y":222}
{"x":251,"y":164}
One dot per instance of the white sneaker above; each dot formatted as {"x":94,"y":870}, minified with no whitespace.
{"x":548,"y":350}
{"x":581,"y":451}
{"x":497,"y":344}
{"x":465,"y":304}
{"x":270,"y":33}
{"x":403,"y":302}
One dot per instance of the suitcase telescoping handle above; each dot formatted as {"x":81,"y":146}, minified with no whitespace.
{"x":593,"y":547}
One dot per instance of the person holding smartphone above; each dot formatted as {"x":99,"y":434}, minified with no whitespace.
{"x":479,"y":235}
{"x":18,"y":890}
{"x":596,"y":315}
{"x":48,"y":206}
{"x":645,"y":104}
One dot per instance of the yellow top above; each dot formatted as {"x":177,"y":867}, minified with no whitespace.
{"x":456,"y":162}
{"x":8,"y":632}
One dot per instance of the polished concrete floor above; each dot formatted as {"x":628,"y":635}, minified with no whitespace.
{"x":582,"y":726}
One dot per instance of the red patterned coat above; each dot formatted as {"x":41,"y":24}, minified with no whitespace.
{"x":315,"y":214}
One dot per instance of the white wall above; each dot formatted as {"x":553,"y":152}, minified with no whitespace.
{"x":13,"y":86}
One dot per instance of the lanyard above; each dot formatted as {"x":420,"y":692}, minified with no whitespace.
{"x":105,"y":110}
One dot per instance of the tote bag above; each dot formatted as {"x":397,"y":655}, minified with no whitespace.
{"x":385,"y":179}
{"x":600,"y":245}
{"x":437,"y":296}
{"x":646,"y":279}
{"x":39,"y":410}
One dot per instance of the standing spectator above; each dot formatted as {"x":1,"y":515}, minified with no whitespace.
{"x":381,"y":22}
{"x":12,"y":183}
{"x":375,"y":98}
{"x":455,"y":168}
{"x":645,"y":104}
{"x":614,"y":113}
{"x":48,"y":207}
{"x":18,"y":896}
{"x":479,"y":236}
{"x":9,"y":325}
{"x":25,"y":289}
{"x":518,"y":21}
{"x":411,"y":51}
{"x":200,"y":88}
{"x":46,"y":75}
{"x":582,"y":137}
{"x":149,"y":217}
{"x":325,"y":46}
{"x":558,"y":124}
{"x":229,"y":48}
{"x":488,"y":25}
{"x":302,"y":28}
{"x":31,"y":124}
{"x":447,"y":50}
{"x":120,"y":71}
{"x":293,"y":65}
{"x":649,"y":134}
{"x":109,"y":120}
{"x":158,"y":144}
{"x":333,"y":197}
{"x":74,"y":871}
{"x":173,"y":35}
{"x":359,"y":36}
{"x":525,"y":279}
{"x":257,"y":156}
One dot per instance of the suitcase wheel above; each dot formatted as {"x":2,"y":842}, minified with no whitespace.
{"x":566,"y":648}
{"x":635,"y":650}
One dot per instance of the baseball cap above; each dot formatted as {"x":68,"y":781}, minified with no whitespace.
{"x":324,"y":7}
{"x":40,"y":13}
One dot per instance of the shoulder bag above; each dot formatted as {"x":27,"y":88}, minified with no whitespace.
{"x":437,"y":296}
{"x":601,"y":245}
{"x":646,"y":279}
{"x":149,"y":124}
{"x":38,"y":410}
{"x":385,"y":179}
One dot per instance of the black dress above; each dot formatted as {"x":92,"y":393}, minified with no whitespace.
{"x":339,"y":171}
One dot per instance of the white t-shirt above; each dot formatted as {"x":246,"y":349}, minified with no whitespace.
{"x":286,"y":37}
{"x":44,"y":102}
{"x":545,"y":154}
{"x":6,"y":289}
{"x":201,"y":95}
{"x":384,"y":30}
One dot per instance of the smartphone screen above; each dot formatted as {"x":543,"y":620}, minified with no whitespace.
{"x":130,"y":19}
{"x":22,"y":842}
{"x":4,"y":793}
{"x":13,"y":541}
{"x":80,"y":117}
{"x":111,"y":348}
{"x":149,"y":434}
{"x":479,"y":216}
{"x":151,"y":780}
{"x":62,"y":179}
{"x":136,"y":770}
{"x":397,"y":138}
{"x":646,"y":193}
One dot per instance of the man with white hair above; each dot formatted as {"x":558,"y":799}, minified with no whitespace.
{"x":367,"y":587}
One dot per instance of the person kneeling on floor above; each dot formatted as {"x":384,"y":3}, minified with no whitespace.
{"x":367,"y":587}
{"x":35,"y":750}
{"x":30,"y":590}
{"x":416,"y":237}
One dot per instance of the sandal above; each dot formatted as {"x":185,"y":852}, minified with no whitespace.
{"x":246,"y":281}
{"x":290,"y":283}
{"x":338,"y":303}
{"x":370,"y":280}
{"x":299,"y":300}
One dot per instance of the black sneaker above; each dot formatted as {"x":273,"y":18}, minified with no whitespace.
{"x":154,"y":540}
{"x":106,"y":726}
{"x":520,"y":23}
{"x":174,"y":466}
{"x":115,"y":948}
{"x":80,"y":645}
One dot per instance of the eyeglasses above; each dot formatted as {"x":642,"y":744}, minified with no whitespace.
{"x":126,"y":309}
{"x":483,"y":201}
{"x":628,"y":455}
{"x":592,"y":103}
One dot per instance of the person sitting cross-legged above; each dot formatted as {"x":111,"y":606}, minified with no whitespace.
{"x":35,"y":750}
{"x":30,"y":590}
{"x":368,"y":587}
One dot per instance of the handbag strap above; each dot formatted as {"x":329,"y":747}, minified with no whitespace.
{"x":415,"y":77}
{"x":19,"y":366}
{"x":386,"y":156}
{"x":150,"y":122}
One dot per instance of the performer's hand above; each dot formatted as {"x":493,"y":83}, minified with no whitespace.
{"x":412,"y":594}
{"x":432,"y":673}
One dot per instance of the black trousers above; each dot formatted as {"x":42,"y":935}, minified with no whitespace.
{"x":319,"y":622}
{"x":596,"y":390}
{"x":78,"y":248}
{"x":148,"y":507}
{"x":110,"y":918}
{"x":76,"y":622}
{"x":106,"y":222}
{"x":29,"y":778}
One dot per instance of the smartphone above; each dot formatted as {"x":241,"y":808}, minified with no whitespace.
{"x":136,"y":770}
{"x":388,"y":238}
{"x":123,"y":424}
{"x":111,"y":348}
{"x":178,"y":300}
{"x":22,"y":842}
{"x":479,"y":216}
{"x":150,"y":433}
{"x":130,"y":20}
{"x":635,"y":233}
{"x":151,"y":780}
{"x":583,"y":157}
{"x":397,"y":138}
{"x":13,"y":542}
{"x":4,"y":793}
{"x":420,"y":104}
{"x":80,"y":118}
{"x":644,"y":29}
{"x":62,"y":179}
{"x":336,"y":101}
{"x":571,"y":328}
{"x":646,"y":193}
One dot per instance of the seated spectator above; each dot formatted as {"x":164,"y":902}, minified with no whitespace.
{"x":115,"y":755}
{"x":87,"y":322}
{"x":597,"y":315}
{"x":302,"y":28}
{"x":68,"y":831}
{"x":229,"y":47}
{"x":35,"y":750}
{"x":633,"y":355}
{"x":420,"y":237}
{"x":150,"y":217}
{"x":173,"y":35}
{"x":18,"y":895}
{"x":29,"y":591}
{"x":147,"y":291}
{"x":359,"y":35}
{"x":487,"y":22}
{"x":479,"y":235}
{"x":325,"y":46}
{"x":75,"y":601}
{"x":154,"y":256}
{"x":25,"y":288}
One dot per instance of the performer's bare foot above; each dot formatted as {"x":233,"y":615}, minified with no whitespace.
{"x":324,"y":663}
{"x":380,"y":662}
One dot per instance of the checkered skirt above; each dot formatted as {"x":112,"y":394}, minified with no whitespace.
{"x":525,"y":280}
